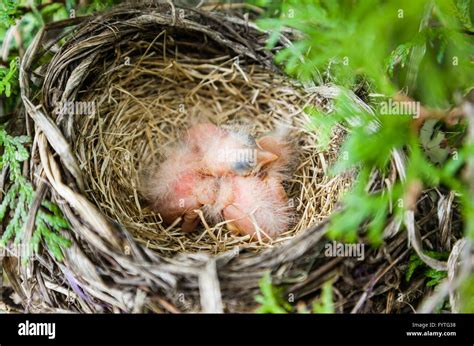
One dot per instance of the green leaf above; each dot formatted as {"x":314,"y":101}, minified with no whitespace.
{"x":18,"y":199}
{"x":270,"y":299}
{"x":8,"y":78}
{"x":8,"y":13}
{"x":464,"y":13}
{"x":398,"y":56}
{"x":413,"y":264}
{"x":325,"y":305}
{"x":467,"y":295}
{"x":435,"y":276}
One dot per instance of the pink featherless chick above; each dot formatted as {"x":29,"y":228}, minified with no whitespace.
{"x":261,"y":202}
{"x":257,"y":203}
{"x":177,"y":188}
{"x":229,"y":174}
{"x":186,"y":179}
{"x":227,"y":152}
{"x":253,"y":206}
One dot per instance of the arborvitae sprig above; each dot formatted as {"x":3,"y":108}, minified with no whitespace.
{"x":19,"y":196}
{"x":343,"y":41}
{"x":9,"y":12}
{"x":8,"y":78}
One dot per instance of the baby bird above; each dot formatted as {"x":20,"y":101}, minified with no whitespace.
{"x":224,"y":152}
{"x":259,"y":202}
{"x":253,"y":206}
{"x":227,"y":174}
{"x":177,"y":188}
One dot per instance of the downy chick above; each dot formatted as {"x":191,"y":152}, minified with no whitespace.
{"x":223,"y":152}
{"x":252,"y":204}
{"x":177,"y":188}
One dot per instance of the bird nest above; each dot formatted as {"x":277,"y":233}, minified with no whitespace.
{"x":114,"y":91}
{"x":147,"y":105}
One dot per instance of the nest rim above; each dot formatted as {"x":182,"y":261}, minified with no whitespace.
{"x":210,"y":282}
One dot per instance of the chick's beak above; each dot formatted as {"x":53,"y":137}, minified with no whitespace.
{"x":264,"y":158}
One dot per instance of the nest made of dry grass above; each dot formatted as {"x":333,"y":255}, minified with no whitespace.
{"x":121,"y":258}
{"x":145,"y":105}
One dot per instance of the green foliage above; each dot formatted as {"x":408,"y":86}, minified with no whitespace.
{"x":369,"y":144}
{"x":101,"y":5}
{"x":423,"y":49}
{"x":414,"y":46}
{"x":8,"y":78}
{"x":270,"y":298}
{"x":463,"y":8}
{"x":29,"y":16}
{"x":363,"y":150}
{"x":467,"y":296}
{"x":325,"y":305}
{"x":399,"y":56}
{"x":272,"y":302}
{"x":346,"y":39}
{"x":19,"y":197}
{"x":434,"y":276}
{"x":20,"y":192}
{"x":8,"y":12}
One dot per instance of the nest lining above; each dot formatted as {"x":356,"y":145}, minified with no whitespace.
{"x":146,"y":104}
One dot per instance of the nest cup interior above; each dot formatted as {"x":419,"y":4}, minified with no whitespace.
{"x":150,"y":93}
